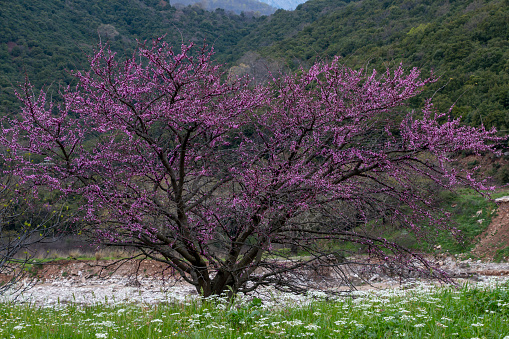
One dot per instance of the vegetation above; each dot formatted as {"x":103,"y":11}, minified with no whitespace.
{"x":212,"y":176}
{"x":471,"y":214}
{"x":246,"y":7}
{"x":25,"y":222}
{"x":44,"y":40}
{"x":502,"y":255}
{"x":468,"y":312}
{"x":464,"y":42}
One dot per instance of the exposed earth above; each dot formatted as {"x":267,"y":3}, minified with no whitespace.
{"x":496,"y":236}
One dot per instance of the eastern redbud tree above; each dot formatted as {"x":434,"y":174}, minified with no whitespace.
{"x":235,"y":186}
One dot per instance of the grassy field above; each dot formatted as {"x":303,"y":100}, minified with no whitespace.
{"x":423,"y":312}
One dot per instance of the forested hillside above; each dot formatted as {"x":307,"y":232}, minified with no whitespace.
{"x":465,"y":42}
{"x":45,"y":39}
{"x":287,"y":25}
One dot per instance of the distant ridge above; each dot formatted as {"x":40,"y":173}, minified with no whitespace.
{"x":236,"y":6}
{"x":288,"y":5}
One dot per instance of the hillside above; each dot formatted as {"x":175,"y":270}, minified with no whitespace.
{"x":287,"y":25}
{"x":46,"y":39}
{"x":289,"y":5}
{"x":465,"y":42}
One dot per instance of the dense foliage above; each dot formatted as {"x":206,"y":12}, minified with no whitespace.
{"x":465,"y":42}
{"x":46,"y":39}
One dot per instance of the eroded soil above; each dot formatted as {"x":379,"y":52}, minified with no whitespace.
{"x":496,"y":236}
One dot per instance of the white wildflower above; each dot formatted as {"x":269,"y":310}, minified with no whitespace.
{"x":292,"y":323}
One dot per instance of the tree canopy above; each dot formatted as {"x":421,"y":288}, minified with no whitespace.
{"x":217,"y":178}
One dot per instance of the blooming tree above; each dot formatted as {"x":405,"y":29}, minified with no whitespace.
{"x":218,"y":179}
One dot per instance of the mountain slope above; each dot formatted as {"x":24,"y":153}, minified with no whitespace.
{"x":237,"y":6}
{"x":286,"y":25}
{"x":45,"y":39}
{"x":466,"y":42}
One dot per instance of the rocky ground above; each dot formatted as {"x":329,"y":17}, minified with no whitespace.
{"x":89,"y":282}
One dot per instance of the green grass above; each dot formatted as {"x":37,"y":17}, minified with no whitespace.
{"x":468,"y":312}
{"x":501,"y":255}
{"x":470,"y":213}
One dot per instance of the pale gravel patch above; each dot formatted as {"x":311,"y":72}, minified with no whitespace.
{"x":114,"y":291}
{"x":117,"y":289}
{"x":111,"y":291}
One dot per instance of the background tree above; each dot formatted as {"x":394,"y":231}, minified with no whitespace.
{"x":217,"y":179}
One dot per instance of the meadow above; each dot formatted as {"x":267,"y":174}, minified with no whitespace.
{"x":419,"y":311}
